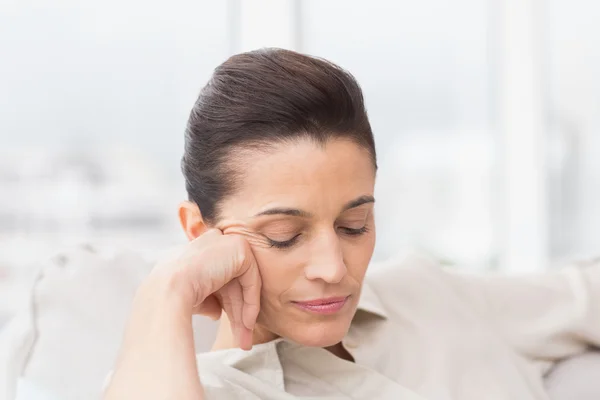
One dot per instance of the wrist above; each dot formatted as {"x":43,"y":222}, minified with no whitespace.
{"x":166,"y":290}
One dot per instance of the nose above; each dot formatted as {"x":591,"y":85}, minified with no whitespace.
{"x":326,"y":260}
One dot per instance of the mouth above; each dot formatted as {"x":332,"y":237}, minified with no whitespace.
{"x":330,"y":305}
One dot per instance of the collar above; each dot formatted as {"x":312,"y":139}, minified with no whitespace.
{"x":369,"y":302}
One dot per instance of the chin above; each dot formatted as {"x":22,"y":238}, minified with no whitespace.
{"x":319,"y":334}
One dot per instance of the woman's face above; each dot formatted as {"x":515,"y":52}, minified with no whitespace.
{"x":311,"y":209}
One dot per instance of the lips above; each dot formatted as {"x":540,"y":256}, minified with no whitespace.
{"x":323,"y":306}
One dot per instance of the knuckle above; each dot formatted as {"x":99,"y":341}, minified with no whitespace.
{"x":240,"y":248}
{"x":236,"y":241}
{"x":211,"y":233}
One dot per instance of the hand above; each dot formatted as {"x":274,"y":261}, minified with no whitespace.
{"x":217,"y":272}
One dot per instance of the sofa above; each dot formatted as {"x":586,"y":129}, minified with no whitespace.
{"x":65,"y":337}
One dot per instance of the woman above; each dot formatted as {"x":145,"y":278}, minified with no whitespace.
{"x":280,"y":167}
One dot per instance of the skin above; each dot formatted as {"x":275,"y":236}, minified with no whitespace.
{"x":299,"y":227}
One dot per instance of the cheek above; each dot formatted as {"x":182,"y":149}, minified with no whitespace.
{"x":278,"y":270}
{"x":357,"y":255}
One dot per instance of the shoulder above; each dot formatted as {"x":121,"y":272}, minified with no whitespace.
{"x":406,"y":272}
{"x":413,"y":283}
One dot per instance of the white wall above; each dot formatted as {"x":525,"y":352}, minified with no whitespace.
{"x":105,"y":88}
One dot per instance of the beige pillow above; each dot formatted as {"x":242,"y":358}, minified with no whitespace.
{"x":67,"y":340}
{"x":577,"y":378}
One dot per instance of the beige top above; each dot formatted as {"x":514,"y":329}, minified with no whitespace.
{"x":423,"y":332}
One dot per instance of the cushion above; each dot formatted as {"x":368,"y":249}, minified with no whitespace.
{"x":66,"y":339}
{"x":577,"y":378}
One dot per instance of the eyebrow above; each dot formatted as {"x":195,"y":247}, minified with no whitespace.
{"x":294,"y":212}
{"x":358,"y":202}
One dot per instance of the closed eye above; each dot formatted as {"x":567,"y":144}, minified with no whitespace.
{"x":353,"y":231}
{"x":285,"y":244}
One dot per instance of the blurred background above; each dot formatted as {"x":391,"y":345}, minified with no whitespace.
{"x":486,"y":115}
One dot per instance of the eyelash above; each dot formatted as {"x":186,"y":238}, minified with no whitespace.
{"x":355,"y":232}
{"x":292,"y":241}
{"x":284,"y":245}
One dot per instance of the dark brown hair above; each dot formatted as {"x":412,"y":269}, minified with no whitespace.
{"x":261,"y":98}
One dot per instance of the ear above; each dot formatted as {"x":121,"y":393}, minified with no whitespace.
{"x":191,"y":220}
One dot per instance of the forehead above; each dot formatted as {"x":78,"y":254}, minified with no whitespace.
{"x":301,"y":174}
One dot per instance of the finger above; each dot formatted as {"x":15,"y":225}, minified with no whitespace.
{"x":253,"y":237}
{"x":251,"y":286}
{"x":212,"y":232}
{"x":241,"y":332}
{"x":246,"y":338}
{"x":228,"y":308}
{"x":210,"y":307}
{"x":233,"y":303}
{"x":250,"y":283}
{"x":235,"y":294}
{"x":207,"y":236}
